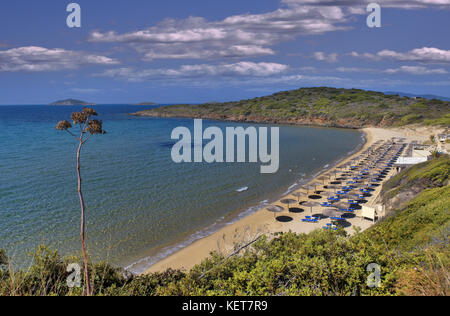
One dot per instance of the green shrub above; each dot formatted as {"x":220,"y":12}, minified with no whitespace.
{"x":443,"y":121}
{"x":3,"y":257}
{"x":411,"y":118}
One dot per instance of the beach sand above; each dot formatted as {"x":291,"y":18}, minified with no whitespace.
{"x":263,"y":222}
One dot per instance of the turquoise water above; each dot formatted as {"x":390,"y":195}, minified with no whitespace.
{"x":140,"y":205}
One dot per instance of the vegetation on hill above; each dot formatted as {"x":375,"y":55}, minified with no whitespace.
{"x":411,"y":246}
{"x":320,"y":106}
{"x":419,"y":223}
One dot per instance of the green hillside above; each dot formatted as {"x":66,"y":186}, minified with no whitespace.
{"x":320,"y":106}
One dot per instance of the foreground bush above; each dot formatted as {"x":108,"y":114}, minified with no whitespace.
{"x":321,"y":263}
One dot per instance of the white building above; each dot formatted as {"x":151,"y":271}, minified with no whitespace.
{"x":405,"y":162}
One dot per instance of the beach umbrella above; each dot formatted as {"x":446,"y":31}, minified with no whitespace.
{"x":309,"y":187}
{"x":346,"y":171}
{"x":315,"y":185}
{"x":311,"y":205}
{"x":335,"y":172}
{"x":323,"y":178}
{"x":288,"y":202}
{"x":334,"y":187}
{"x":346,"y":196}
{"x":354,"y":192}
{"x":341,"y":205}
{"x":364,"y":186}
{"x":331,"y":213}
{"x":298,"y":195}
{"x":328,"y":194}
{"x":342,"y":168}
{"x":275,"y":209}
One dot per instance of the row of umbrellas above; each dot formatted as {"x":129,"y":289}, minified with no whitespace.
{"x":360,"y":173}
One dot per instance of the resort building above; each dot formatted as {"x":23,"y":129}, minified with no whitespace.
{"x":414,"y":154}
{"x":405,"y":162}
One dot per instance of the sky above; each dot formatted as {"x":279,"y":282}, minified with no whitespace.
{"x":194,"y":51}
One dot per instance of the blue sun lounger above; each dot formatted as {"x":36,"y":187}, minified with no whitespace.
{"x":310,"y":219}
{"x":330,"y":226}
{"x":338,"y":218}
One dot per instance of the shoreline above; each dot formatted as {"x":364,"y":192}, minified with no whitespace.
{"x":163,"y":252}
{"x":239,"y":223}
{"x":262,"y":222}
{"x":309,"y":122}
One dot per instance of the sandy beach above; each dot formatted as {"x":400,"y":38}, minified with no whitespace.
{"x":263,"y":222}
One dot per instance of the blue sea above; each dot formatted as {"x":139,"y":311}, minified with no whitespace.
{"x":140,"y":205}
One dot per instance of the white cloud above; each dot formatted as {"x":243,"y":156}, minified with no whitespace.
{"x":411,"y":70}
{"x":196,"y":51}
{"x":171,"y":34}
{"x":421,"y":55}
{"x":241,"y":69}
{"x":356,"y":70}
{"x":34,"y":58}
{"x":276,"y":81}
{"x":424,"y":55}
{"x":321,"y":56}
{"x":319,"y":80}
{"x":244,"y":35}
{"x":416,"y":70}
{"x":247,"y":35}
{"x":353,"y":4}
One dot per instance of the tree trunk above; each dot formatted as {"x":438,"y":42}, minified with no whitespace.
{"x":83,"y":225}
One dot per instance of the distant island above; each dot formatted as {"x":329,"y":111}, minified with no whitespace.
{"x":423,"y":96}
{"x":146,"y":103}
{"x":321,"y":106}
{"x":69,"y":102}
